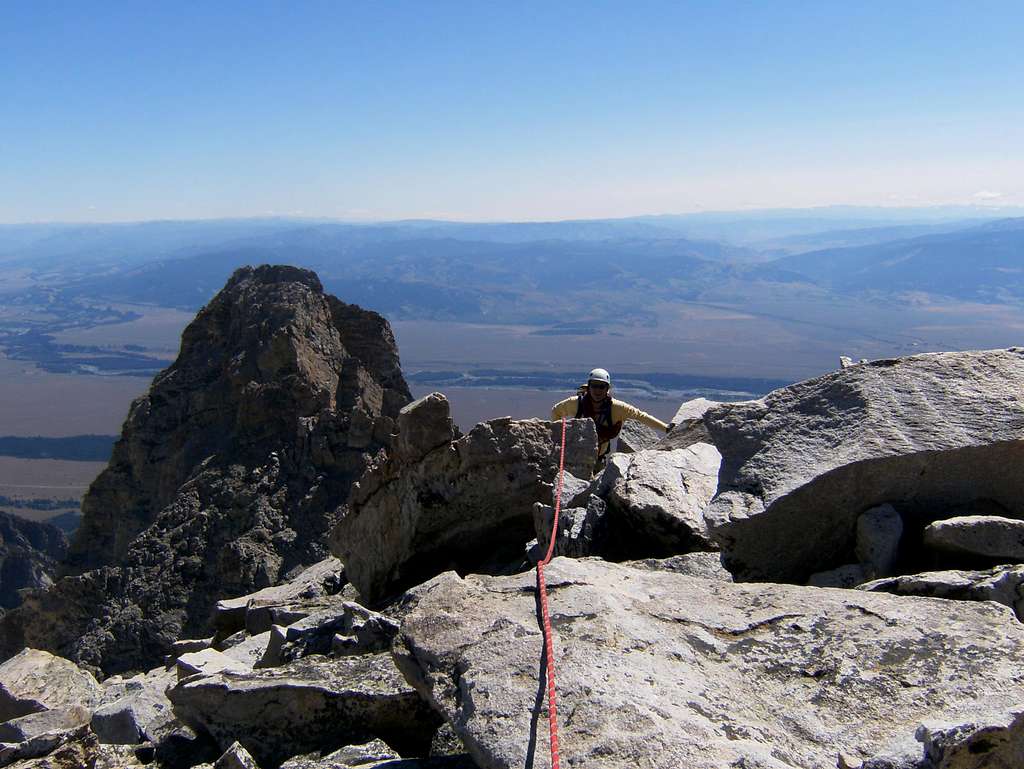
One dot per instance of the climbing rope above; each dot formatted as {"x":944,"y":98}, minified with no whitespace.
{"x":549,"y":653}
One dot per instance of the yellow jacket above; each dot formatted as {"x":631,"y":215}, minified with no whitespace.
{"x":621,"y":411}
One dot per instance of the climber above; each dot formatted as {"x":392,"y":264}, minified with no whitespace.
{"x":594,"y":400}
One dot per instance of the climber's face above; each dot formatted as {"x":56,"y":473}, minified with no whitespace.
{"x":598,"y":390}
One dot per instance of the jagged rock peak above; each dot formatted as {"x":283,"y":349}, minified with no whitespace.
{"x":268,"y":274}
{"x":269,"y":354}
{"x":229,"y":471}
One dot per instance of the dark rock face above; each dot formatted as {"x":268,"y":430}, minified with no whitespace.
{"x":29,"y":554}
{"x":440,"y":501}
{"x":227,"y":472}
{"x":268,"y":360}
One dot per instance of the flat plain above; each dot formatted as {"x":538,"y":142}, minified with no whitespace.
{"x":48,"y":480}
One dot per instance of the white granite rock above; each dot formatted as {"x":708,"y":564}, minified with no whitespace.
{"x":664,"y":671}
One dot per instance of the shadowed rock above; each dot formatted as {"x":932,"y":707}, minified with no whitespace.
{"x":995,"y":742}
{"x":441,"y":501}
{"x":878,"y":539}
{"x":29,"y":556}
{"x":582,"y":531}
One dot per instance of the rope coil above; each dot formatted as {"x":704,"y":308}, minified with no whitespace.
{"x":549,"y":652}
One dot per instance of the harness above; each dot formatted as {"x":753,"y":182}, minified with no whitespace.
{"x":606,"y":429}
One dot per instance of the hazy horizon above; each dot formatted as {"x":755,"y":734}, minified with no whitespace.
{"x":943,"y":211}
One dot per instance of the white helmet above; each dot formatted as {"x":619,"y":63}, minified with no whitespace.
{"x":600,"y":375}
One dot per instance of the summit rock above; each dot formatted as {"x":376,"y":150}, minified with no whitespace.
{"x":228,"y":472}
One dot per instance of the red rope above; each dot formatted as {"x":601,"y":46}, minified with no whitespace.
{"x":549,"y":652}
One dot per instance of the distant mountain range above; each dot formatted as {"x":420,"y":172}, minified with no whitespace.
{"x":445,"y":278}
{"x":449,"y":278}
{"x":982,"y":263}
{"x":824,"y":272}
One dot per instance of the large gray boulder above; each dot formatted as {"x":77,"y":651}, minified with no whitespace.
{"x":636,"y":436}
{"x":660,"y":497}
{"x":443,"y":502}
{"x":35,"y":680}
{"x":311,"y":704}
{"x":1004,"y":584}
{"x":935,"y":431}
{"x":648,"y":504}
{"x":664,"y":671}
{"x":135,"y":709}
{"x":989,"y":536}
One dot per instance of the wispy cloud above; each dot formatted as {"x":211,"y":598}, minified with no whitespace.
{"x":988,"y":195}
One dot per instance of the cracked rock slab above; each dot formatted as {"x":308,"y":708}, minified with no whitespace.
{"x":312,"y":704}
{"x":662,"y":670}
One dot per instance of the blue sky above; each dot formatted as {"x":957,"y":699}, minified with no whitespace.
{"x":487,"y":110}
